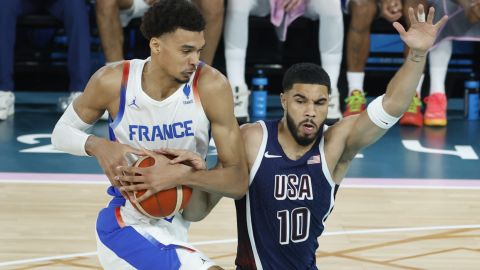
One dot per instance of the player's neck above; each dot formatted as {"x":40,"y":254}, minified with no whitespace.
{"x":156,"y":83}
{"x":288,"y":143}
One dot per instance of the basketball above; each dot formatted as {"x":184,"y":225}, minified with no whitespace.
{"x":164,"y":203}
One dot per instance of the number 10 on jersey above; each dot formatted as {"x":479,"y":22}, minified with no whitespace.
{"x":294,"y":225}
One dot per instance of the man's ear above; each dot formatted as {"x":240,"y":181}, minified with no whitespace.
{"x":155,"y":45}
{"x":283,"y":100}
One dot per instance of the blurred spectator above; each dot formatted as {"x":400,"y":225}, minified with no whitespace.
{"x":74,"y":14}
{"x":113,"y":15}
{"x":463,"y":24}
{"x":363,"y":13}
{"x":282,"y":13}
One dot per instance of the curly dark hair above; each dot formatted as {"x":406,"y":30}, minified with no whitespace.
{"x":166,"y":16}
{"x":305,"y":73}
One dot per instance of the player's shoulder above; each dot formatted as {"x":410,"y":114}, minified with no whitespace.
{"x":251,"y":130}
{"x":212,"y":81}
{"x":252,"y":134}
{"x":108,"y":77}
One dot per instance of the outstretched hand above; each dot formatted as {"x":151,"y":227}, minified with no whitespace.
{"x":422,"y":33}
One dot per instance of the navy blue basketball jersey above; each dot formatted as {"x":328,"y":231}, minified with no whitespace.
{"x":285,"y":208}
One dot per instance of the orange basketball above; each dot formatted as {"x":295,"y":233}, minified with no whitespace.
{"x":164,"y":203}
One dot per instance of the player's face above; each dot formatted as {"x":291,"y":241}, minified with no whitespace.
{"x":305,"y":108}
{"x":180,"y":53}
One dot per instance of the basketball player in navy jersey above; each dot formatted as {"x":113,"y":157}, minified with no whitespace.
{"x":170,"y":99}
{"x":296,"y":163}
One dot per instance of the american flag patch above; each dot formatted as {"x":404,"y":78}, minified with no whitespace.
{"x":314,"y":160}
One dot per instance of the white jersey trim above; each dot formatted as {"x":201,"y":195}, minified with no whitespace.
{"x":325,"y":169}
{"x":253,"y":172}
{"x":258,"y":263}
{"x":328,"y":176}
{"x":261,"y":151}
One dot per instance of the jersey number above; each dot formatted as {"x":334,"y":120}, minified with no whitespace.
{"x":294,"y":226}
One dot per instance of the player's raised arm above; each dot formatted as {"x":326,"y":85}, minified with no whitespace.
{"x":384,"y":111}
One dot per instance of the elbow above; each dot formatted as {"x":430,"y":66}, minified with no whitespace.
{"x":394,"y":108}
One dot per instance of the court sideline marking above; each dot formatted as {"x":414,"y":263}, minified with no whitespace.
{"x":386,"y":183}
{"x":233,"y":240}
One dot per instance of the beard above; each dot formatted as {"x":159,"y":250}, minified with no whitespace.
{"x":180,"y":81}
{"x":302,"y":140}
{"x":186,"y":78}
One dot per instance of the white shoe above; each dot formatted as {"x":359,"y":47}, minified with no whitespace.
{"x":7,"y":104}
{"x":334,"y":112}
{"x":63,"y":102}
{"x":240,"y":102}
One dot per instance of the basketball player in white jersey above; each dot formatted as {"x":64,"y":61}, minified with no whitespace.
{"x":296,"y":163}
{"x":170,"y":99}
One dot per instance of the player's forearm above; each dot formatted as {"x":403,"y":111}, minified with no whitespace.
{"x":93,"y":143}
{"x":69,"y":133}
{"x":200,"y":205}
{"x":231,"y":181}
{"x":402,"y":87}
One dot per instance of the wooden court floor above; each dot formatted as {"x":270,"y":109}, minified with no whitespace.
{"x":410,"y":201}
{"x":51,"y":226}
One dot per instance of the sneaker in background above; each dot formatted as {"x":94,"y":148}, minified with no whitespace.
{"x":334,"y":112}
{"x":7,"y":104}
{"x":240,"y":103}
{"x":436,"y":110}
{"x":413,"y":116}
{"x":355,"y":103}
{"x":64,"y":101}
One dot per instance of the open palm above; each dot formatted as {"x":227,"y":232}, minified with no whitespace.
{"x":421,"y":34}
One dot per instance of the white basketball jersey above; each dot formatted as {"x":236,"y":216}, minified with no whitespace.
{"x":175,"y":122}
{"x":178,"y":121}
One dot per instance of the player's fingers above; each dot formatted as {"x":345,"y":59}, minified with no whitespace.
{"x":431,"y":13}
{"x":130,"y":179}
{"x":149,"y":153}
{"x":160,"y":151}
{"x":411,"y":16}
{"x":199,"y":165}
{"x":173,"y":152}
{"x":183,"y":158}
{"x":399,"y":28}
{"x":421,"y":13}
{"x":124,"y":169}
{"x":125,"y":194}
{"x":442,"y":22}
{"x":135,"y":187}
{"x":133,"y":150}
{"x":144,"y":196}
{"x":110,"y":173}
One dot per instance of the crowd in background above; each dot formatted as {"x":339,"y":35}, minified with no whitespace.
{"x":232,"y":17}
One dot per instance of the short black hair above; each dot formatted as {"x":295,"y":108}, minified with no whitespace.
{"x":308,"y":73}
{"x":166,"y":16}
